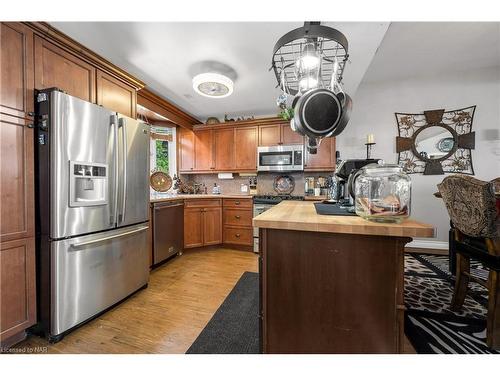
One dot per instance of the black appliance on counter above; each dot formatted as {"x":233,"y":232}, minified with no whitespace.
{"x":346,"y":174}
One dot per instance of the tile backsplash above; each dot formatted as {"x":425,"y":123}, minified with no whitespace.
{"x":264,"y":182}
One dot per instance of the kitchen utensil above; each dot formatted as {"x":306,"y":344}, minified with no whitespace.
{"x":284,"y":184}
{"x":160,"y":181}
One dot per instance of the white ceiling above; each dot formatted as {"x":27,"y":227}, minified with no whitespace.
{"x":415,"y":49}
{"x":163,"y":56}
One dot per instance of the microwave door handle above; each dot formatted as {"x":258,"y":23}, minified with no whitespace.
{"x":114,"y":126}
{"x":123,"y":123}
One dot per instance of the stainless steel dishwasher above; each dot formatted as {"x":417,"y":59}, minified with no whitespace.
{"x":168,"y":230}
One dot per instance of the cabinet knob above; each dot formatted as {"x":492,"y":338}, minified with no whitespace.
{"x":237,"y":235}
{"x":237,"y":203}
{"x":31,"y":114}
{"x":237,"y":216}
{"x":31,"y":126}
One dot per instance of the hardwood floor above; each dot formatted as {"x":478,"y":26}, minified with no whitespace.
{"x":166,"y":317}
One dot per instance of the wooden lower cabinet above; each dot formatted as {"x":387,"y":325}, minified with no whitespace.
{"x":17,"y":289}
{"x":212,"y":226}
{"x":193,"y":227}
{"x":202,"y":222}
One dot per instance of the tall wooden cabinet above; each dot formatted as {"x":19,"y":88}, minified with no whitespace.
{"x":17,"y":243}
{"x":36,"y":56}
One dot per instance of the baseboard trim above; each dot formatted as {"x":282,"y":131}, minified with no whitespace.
{"x":426,"y":244}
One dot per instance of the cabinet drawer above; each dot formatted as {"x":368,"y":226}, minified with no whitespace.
{"x":202,"y":203}
{"x":238,"y":236}
{"x":238,"y":203}
{"x":237,"y":217}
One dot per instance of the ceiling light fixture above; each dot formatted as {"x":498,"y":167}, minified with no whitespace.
{"x":213,"y":85}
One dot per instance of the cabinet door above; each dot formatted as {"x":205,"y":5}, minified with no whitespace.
{"x":269,"y":135}
{"x":116,"y":95}
{"x":193,"y":227}
{"x":16,"y":60}
{"x":245,"y":145}
{"x":54,"y":67}
{"x":289,"y":137}
{"x":17,"y":286}
{"x":212,"y":226}
{"x":186,"y":150}
{"x":324,"y":160}
{"x":16,"y":179}
{"x":224,"y":149}
{"x":203,"y":150}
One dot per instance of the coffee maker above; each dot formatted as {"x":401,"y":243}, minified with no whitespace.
{"x":345,"y":176}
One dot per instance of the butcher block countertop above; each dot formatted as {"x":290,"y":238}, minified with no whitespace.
{"x":302,"y":216}
{"x":168,"y":198}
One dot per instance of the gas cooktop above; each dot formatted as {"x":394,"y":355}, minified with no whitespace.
{"x":275,"y":199}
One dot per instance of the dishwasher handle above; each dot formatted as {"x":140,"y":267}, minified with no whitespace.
{"x":168,"y":206}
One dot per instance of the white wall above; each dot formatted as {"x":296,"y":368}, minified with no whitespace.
{"x":375,"y":103}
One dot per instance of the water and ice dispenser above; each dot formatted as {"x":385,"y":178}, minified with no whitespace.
{"x":88,"y":184}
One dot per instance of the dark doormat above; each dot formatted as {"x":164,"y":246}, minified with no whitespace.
{"x":234,"y":328}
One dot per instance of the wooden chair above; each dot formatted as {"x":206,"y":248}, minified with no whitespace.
{"x":471,"y":204}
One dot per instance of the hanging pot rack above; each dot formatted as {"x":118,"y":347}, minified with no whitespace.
{"x":331,"y":45}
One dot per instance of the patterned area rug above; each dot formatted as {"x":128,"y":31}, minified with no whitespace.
{"x":430,"y":325}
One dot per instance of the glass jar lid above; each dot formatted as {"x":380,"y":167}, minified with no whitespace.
{"x":382,"y":168}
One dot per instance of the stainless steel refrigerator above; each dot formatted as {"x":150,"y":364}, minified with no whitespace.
{"x":92,"y":198}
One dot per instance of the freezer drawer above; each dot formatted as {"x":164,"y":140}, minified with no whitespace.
{"x":91,"y":273}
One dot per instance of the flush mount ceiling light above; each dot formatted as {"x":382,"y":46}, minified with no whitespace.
{"x":213,"y":85}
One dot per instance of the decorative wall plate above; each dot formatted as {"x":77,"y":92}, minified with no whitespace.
{"x":436,"y":142}
{"x":284,"y":184}
{"x":160,"y":181}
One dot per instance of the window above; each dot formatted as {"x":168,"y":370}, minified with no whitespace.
{"x":162,"y":154}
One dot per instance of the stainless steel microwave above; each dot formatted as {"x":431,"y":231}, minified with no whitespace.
{"x":280,"y":158}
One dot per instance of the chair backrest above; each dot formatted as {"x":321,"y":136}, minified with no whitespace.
{"x":471,"y":204}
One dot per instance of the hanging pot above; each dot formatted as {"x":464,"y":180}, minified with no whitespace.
{"x":346,"y":114}
{"x":317,"y":113}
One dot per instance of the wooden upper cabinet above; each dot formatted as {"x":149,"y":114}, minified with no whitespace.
{"x":116,"y":95}
{"x":186,"y":150}
{"x":57,"y":68}
{"x":324,"y":160}
{"x":278,"y":134}
{"x":224,"y":149}
{"x":16,"y":60}
{"x":18,"y":287}
{"x":16,"y":179}
{"x":245,"y":145}
{"x":203,"y":150}
{"x":289,"y":137}
{"x":269,"y":135}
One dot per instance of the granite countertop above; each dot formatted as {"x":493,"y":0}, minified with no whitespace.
{"x":173,"y":197}
{"x":297,"y":215}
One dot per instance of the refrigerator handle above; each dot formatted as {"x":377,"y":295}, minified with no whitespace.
{"x":123,"y":123}
{"x":114,"y":125}
{"x":90,"y":242}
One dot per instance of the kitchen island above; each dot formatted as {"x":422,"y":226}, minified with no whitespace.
{"x":331,"y":284}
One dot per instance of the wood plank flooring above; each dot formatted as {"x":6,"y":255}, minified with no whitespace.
{"x":166,"y":317}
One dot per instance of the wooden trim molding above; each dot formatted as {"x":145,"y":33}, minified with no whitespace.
{"x":62,"y":40}
{"x":157,"y":104}
{"x":232,"y":124}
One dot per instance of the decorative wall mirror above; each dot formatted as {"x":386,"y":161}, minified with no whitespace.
{"x":436,"y":142}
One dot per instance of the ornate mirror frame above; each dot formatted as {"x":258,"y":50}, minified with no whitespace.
{"x":457,"y":160}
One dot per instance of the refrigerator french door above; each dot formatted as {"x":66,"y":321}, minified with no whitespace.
{"x":92,"y":193}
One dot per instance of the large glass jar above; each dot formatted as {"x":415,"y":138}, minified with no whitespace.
{"x":383,"y":193}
